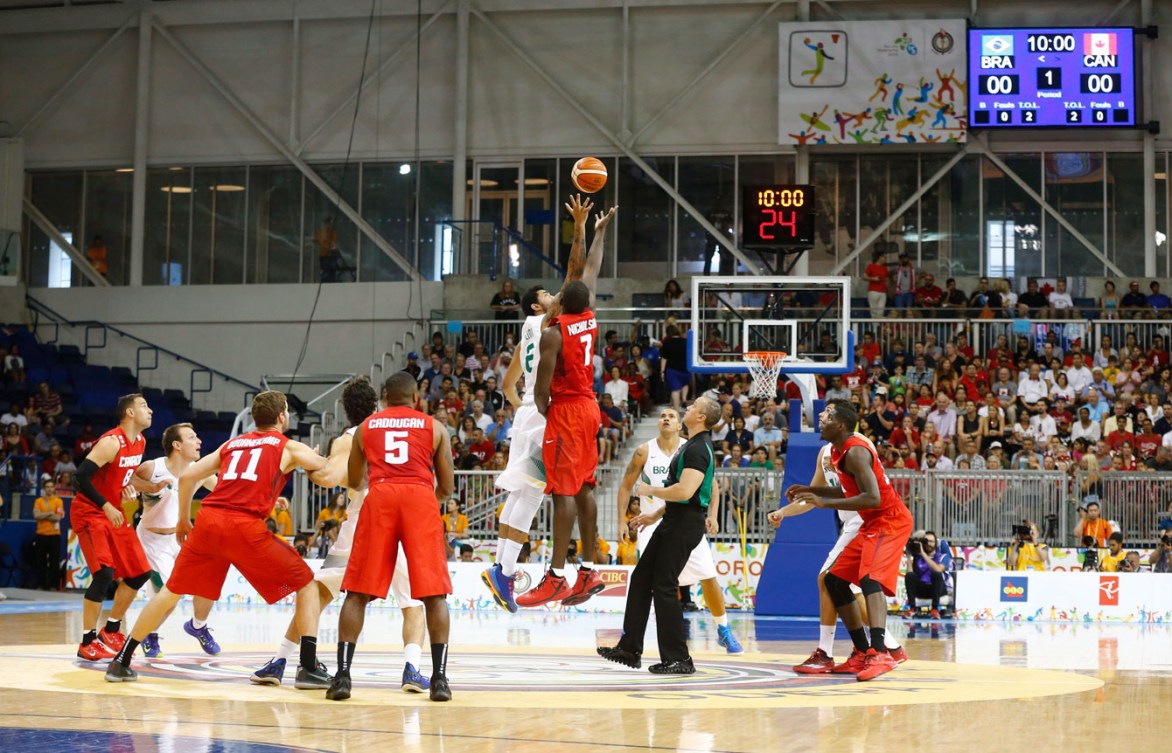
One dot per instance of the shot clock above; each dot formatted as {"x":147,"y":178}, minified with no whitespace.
{"x":1052,"y":77}
{"x":777,"y":216}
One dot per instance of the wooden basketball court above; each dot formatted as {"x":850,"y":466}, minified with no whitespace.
{"x":532,"y":682}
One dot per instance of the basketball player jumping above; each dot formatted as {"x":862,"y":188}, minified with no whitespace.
{"x":525,"y":476}
{"x":252,"y":470}
{"x":156,"y":529}
{"x":108,"y":543}
{"x":650,"y":464}
{"x":405,"y":461}
{"x":821,"y":661}
{"x":871,"y":559}
{"x":359,"y":401}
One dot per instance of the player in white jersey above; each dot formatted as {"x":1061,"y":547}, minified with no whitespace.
{"x":649,"y":465}
{"x":359,"y":400}
{"x":524,"y":477}
{"x":156,"y":528}
{"x":821,"y":661}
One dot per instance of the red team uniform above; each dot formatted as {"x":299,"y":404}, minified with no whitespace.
{"x":400,"y":508}
{"x":878,"y":548}
{"x":230,"y":528}
{"x":101,"y":543}
{"x":570,"y":450}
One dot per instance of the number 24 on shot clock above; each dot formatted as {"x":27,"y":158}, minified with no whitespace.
{"x":777,"y":216}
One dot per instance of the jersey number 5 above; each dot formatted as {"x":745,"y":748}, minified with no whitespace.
{"x":396,"y":448}
{"x":249,"y":472}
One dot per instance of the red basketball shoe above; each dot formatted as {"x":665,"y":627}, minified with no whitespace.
{"x":853,"y":665}
{"x":898,"y":654}
{"x":113,"y":641}
{"x":589,"y":583}
{"x":819,"y":663}
{"x":875,"y":664}
{"x":95,"y":651}
{"x":551,"y":588}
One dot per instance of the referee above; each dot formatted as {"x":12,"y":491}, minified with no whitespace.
{"x":657,"y":575}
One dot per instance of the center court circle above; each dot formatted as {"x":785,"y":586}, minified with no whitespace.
{"x":492,"y":677}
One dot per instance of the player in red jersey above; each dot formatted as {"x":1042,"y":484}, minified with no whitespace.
{"x":109,"y":544}
{"x":871,"y":560}
{"x":406,"y":462}
{"x":252,"y":469}
{"x":564,"y":394}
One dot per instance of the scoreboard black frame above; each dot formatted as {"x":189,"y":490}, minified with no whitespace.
{"x":777,"y":216}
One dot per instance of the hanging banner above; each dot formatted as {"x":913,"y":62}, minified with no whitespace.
{"x":873,"y":82}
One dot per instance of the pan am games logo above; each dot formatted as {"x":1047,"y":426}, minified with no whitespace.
{"x":1015,"y":589}
{"x":1108,"y":590}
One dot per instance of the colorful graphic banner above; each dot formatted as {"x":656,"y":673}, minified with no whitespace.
{"x":873,"y":82}
{"x":1063,"y":596}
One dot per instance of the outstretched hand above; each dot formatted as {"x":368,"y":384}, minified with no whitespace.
{"x":578,"y":209}
{"x":602,"y":219}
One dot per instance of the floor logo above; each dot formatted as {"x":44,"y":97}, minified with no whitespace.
{"x":1015,"y":589}
{"x":1108,"y":590}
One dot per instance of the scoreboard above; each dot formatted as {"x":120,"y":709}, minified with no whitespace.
{"x":778,"y":216}
{"x":1049,"y":78}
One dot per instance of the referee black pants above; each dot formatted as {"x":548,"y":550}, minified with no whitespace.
{"x":656,"y":578}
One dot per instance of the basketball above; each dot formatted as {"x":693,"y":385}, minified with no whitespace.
{"x":589,"y":174}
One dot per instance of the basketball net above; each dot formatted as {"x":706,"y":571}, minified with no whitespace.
{"x":765,"y":368}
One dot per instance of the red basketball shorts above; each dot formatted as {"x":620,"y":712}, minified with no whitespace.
{"x":570,"y":448}
{"x":876,"y":551}
{"x":222,"y":538}
{"x":103,"y":545}
{"x":395,"y":514}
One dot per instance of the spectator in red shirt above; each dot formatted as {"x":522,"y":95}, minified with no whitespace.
{"x":1158,"y":356}
{"x":47,"y":402}
{"x":85,"y":442}
{"x":928,"y":295}
{"x":1000,"y":354}
{"x":870,"y":348}
{"x":481,"y":447}
{"x":1147,"y":443}
{"x":876,"y":276}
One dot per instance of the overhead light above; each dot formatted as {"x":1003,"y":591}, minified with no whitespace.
{"x":228,"y":188}
{"x":405,"y":169}
{"x":124,"y":170}
{"x":485,"y":183}
{"x":176,"y":189}
{"x":1161,"y":176}
{"x":176,"y":169}
{"x":537,"y":181}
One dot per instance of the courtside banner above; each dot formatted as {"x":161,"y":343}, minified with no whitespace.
{"x":873,"y":82}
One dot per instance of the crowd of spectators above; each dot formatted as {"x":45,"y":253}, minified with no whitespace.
{"x":39,"y":441}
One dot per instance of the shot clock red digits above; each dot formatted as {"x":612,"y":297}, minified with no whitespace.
{"x":777,"y":216}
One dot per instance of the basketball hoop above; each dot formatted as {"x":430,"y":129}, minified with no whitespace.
{"x":765,"y":367}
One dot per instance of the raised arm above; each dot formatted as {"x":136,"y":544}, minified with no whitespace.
{"x":509,"y":383}
{"x":580,"y":211}
{"x":550,"y":347}
{"x":188,"y":481}
{"x":630,"y":476}
{"x":336,"y":472}
{"x":299,"y":455}
{"x":597,"y":250}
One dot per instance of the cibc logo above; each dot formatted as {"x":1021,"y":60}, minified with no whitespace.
{"x":1108,"y":590}
{"x":1015,"y":589}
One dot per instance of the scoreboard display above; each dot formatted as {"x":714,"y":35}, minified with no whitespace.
{"x":1050,"y":78}
{"x":778,"y":216}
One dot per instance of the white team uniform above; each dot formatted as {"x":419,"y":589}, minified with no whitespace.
{"x":161,"y":548}
{"x":333,"y":570}
{"x":700,"y":564}
{"x":850,"y":520}
{"x":525,"y":468}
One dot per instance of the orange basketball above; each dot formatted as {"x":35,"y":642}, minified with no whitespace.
{"x":589,"y":174}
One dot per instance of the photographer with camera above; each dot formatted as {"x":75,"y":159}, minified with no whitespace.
{"x":1112,"y":561}
{"x":925,"y":572}
{"x":1091,"y":524}
{"x":1160,"y":556}
{"x":1026,"y":550}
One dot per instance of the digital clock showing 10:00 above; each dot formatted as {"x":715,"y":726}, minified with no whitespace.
{"x":777,"y":216}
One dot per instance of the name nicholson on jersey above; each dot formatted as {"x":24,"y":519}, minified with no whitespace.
{"x":582,"y":326}
{"x":397,"y":423}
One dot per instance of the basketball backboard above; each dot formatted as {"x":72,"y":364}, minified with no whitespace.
{"x":806,"y":317}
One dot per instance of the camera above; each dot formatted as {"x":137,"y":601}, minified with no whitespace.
{"x":915,"y":547}
{"x":1166,"y":539}
{"x":1023,"y":532}
{"x":1090,"y":558}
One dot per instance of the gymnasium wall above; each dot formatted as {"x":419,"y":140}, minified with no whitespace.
{"x":295,"y":82}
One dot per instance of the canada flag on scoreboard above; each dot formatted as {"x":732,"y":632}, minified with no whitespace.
{"x":1100,"y":43}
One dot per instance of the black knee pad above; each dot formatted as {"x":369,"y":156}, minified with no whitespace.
{"x":100,"y":584}
{"x":869,"y":586}
{"x":838,"y":589}
{"x":138,"y":581}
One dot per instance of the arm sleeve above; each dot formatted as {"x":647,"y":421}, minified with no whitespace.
{"x":84,"y":485}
